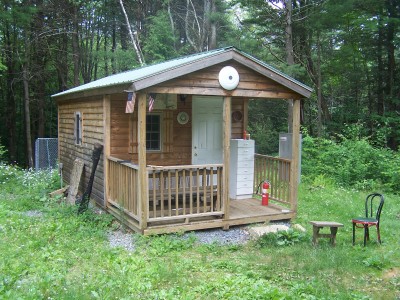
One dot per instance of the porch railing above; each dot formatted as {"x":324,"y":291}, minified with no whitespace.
{"x":275,"y":170}
{"x":179,"y":192}
{"x":174,"y":192}
{"x":123,"y":186}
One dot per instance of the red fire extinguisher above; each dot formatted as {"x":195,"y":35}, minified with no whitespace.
{"x":265,"y":193}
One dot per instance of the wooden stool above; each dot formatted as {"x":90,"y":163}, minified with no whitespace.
{"x":317,"y":225}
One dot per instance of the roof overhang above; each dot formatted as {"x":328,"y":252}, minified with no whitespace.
{"x":156,"y":74}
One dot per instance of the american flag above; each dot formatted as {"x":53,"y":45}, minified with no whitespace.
{"x":152,"y":99}
{"x":130,"y":104}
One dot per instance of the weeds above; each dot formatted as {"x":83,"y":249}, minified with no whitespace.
{"x":282,"y":238}
{"x":61,"y":255}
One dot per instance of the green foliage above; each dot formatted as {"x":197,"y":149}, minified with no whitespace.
{"x":282,"y":238}
{"x":166,"y":243}
{"x":3,"y":152}
{"x":2,"y":68}
{"x":7,"y":173}
{"x":238,"y":287}
{"x":124,"y":59}
{"x":266,"y":120}
{"x":379,"y":261}
{"x":51,"y":252}
{"x":160,"y":43}
{"x":351,"y":162}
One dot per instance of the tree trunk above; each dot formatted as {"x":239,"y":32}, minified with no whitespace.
{"x":27,"y":112}
{"x":289,"y":33}
{"x":114,"y":47}
{"x":391,"y":63}
{"x":187,"y":33}
{"x":75,"y":44}
{"x":393,"y":104}
{"x":60,"y":58}
{"x":10,"y":98}
{"x":319,"y":87}
{"x":135,"y":44}
{"x":39,"y":60}
{"x":96,"y":59}
{"x":380,"y":92}
{"x":289,"y":54}
{"x":171,"y":20}
{"x":213,"y":28}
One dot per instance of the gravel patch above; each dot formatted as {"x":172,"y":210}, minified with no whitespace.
{"x":237,"y":235}
{"x":118,"y":238}
{"x":234,"y":236}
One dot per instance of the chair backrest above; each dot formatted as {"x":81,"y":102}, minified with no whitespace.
{"x":369,"y":205}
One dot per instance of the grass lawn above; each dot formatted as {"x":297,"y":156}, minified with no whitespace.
{"x":48,"y":252}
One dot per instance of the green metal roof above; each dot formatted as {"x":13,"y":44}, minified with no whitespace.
{"x":154,"y":69}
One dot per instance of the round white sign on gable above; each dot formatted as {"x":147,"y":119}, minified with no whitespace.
{"x":228,"y":78}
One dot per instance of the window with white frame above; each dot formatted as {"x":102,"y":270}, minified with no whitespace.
{"x":78,"y":128}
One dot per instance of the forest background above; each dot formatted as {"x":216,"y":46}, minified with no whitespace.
{"x":346,"y":50}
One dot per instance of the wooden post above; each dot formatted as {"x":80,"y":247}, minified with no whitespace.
{"x":290,"y":116}
{"x":143,"y":177}
{"x":294,"y":166}
{"x":245,"y":113}
{"x":75,"y":180}
{"x":59,"y":142}
{"x":226,"y":156}
{"x":106,"y":142}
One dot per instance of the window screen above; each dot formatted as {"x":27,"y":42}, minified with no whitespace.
{"x":153,"y":132}
{"x":78,"y":128}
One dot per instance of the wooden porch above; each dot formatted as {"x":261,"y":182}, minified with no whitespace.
{"x":190,"y":197}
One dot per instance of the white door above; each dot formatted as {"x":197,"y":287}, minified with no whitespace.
{"x":207,"y":130}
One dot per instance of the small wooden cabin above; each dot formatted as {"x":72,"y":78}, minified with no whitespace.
{"x":185,"y":165}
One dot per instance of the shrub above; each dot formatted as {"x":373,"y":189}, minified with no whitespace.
{"x":351,"y":163}
{"x":3,"y":152}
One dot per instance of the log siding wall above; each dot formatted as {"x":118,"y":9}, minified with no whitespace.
{"x":91,"y":110}
{"x":205,"y":82}
{"x":177,"y":141}
{"x":124,"y":132}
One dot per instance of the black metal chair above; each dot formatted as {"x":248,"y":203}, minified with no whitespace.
{"x":370,"y":219}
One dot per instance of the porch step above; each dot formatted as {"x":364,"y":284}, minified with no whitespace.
{"x":256,"y":232}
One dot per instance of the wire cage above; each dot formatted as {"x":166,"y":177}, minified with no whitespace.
{"x":46,"y":153}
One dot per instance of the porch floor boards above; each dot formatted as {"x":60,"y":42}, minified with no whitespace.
{"x":242,"y":212}
{"x":247,"y":208}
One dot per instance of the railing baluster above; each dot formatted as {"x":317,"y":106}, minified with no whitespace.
{"x":211,"y":188}
{"x":198,"y":190}
{"x":190,"y":191}
{"x":169,"y":193}
{"x":204,"y":189}
{"x":176,"y":191}
{"x":219,"y":189}
{"x":154,"y":194}
{"x":161,"y":192}
{"x":277,"y":172}
{"x":184,"y":179}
